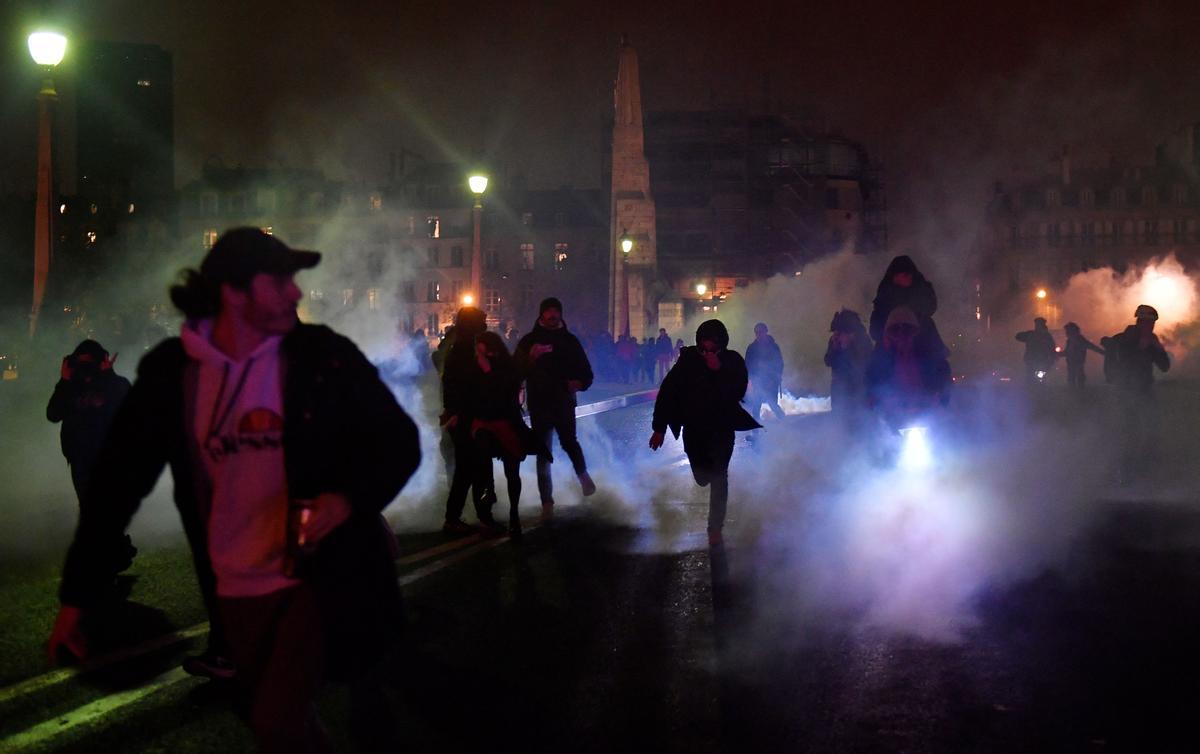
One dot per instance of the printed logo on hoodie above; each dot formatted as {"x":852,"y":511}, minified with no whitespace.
{"x":257,"y":429}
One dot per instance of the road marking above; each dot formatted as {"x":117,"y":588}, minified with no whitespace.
{"x":95,"y":711}
{"x":436,"y":550}
{"x":612,"y":404}
{"x":90,"y":713}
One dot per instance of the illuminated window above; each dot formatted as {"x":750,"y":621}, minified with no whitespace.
{"x":210,"y":238}
{"x":316,"y":295}
{"x":434,"y":226}
{"x":560,"y":255}
{"x":431,"y":325}
{"x":433,"y":291}
{"x":456,"y":256}
{"x":347,"y":296}
{"x":143,"y":82}
{"x":526,"y":256}
{"x":373,"y":299}
{"x":93,"y":209}
{"x":269,"y":230}
{"x":431,"y":256}
{"x":62,"y":209}
{"x":491,"y":300}
{"x":131,"y":208}
{"x":376,"y":202}
{"x":91,"y":236}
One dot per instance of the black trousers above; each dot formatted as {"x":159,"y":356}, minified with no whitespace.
{"x":472,"y":471}
{"x":546,"y":420}
{"x":708,"y":451}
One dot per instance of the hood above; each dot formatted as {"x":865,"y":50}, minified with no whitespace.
{"x":714,"y":330}
{"x":196,"y":336}
{"x":902,"y":263}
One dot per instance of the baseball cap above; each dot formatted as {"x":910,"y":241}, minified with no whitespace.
{"x":241,"y":253}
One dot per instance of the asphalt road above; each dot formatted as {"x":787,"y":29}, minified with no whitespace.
{"x":1012,"y":600}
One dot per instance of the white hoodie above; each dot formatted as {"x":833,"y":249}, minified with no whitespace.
{"x":239,"y":429}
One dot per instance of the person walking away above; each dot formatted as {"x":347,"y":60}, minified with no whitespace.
{"x":498,"y":429}
{"x":663,"y":354}
{"x":555,"y":368}
{"x":764,"y":361}
{"x":85,"y":401}
{"x":702,"y":396}
{"x":1134,"y":354}
{"x":904,"y":285}
{"x":847,"y":355}
{"x":1075,"y":352}
{"x":1039,"y":351}
{"x":285,"y":446}
{"x":472,"y":470}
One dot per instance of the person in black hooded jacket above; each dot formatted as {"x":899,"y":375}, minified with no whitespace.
{"x":702,"y":395}
{"x":904,"y":285}
{"x":555,"y":367}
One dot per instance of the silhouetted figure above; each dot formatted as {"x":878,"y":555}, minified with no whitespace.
{"x":847,"y":355}
{"x":472,"y":470}
{"x":764,"y":363}
{"x":498,"y":428}
{"x":904,"y":378}
{"x":1075,"y":352}
{"x":1130,"y":359}
{"x":285,"y":446}
{"x":555,"y":368}
{"x":663,"y":354}
{"x":702,"y":396}
{"x":904,"y":285}
{"x":1039,"y":351}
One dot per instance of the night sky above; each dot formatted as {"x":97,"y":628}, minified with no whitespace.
{"x":950,"y":98}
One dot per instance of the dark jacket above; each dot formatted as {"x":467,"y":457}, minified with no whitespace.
{"x":764,"y":362}
{"x":920,"y":297}
{"x":86,"y":410}
{"x":546,"y":377}
{"x":1076,"y":348}
{"x":495,"y":397}
{"x":693,"y":394}
{"x":848,"y":367}
{"x":885,"y":388}
{"x":343,"y":432}
{"x":1135,"y":365}
{"x":1039,"y":347}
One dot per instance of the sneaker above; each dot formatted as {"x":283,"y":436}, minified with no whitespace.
{"x":209,"y":665}
{"x":714,"y":538}
{"x":585,"y":481}
{"x":457,"y":526}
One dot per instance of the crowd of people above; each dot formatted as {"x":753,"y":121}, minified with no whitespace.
{"x":285,"y":445}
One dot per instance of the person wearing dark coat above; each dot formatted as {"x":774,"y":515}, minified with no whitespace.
{"x":904,"y":285}
{"x":85,"y":400}
{"x":702,"y":396}
{"x":472,"y":470}
{"x":764,"y":363}
{"x":847,"y":355}
{"x":498,"y":428}
{"x":1075,"y":352}
{"x":1134,"y":354}
{"x":260,"y":417}
{"x":554,"y":367}
{"x":1040,"y":350}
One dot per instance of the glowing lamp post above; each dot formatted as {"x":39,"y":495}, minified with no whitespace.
{"x":626,"y":244}
{"x":478,"y":183}
{"x":701,"y":289}
{"x":468,"y":299}
{"x":47,"y":49}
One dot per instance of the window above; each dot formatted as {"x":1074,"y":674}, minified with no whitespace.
{"x":1117,"y":231}
{"x":433,"y":225}
{"x":210,"y":238}
{"x":433,"y":292}
{"x":1179,"y":231}
{"x":457,"y":288}
{"x":347,"y":296}
{"x":1053,"y":198}
{"x":491,"y":259}
{"x":456,"y":256}
{"x":375,"y":202}
{"x":491,"y":300}
{"x":91,"y":237}
{"x":560,"y":219}
{"x":408,"y":291}
{"x":269,"y":230}
{"x":526,"y":256}
{"x":1149,"y":231}
{"x":560,"y":255}
{"x":1088,"y":234}
{"x":431,"y":325}
{"x":1149,"y":196}
{"x":1087,"y":198}
{"x":316,"y":295}
{"x":1179,"y":195}
{"x":1118,"y":197}
{"x":1052,"y":234}
{"x":431,"y":256}
{"x":527,"y":219}
{"x":373,"y":299}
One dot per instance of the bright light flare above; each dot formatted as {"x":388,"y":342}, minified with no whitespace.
{"x":1040,"y":374}
{"x":47,"y":47}
{"x":478,"y":183}
{"x":701,"y":289}
{"x":1041,"y":294}
{"x":915,"y":453}
{"x":468,"y":299}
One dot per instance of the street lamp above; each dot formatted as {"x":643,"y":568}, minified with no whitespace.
{"x":626,"y":244}
{"x":1041,"y":293}
{"x":701,"y":289}
{"x":468,"y":299}
{"x":47,"y":49}
{"x":478,"y":184}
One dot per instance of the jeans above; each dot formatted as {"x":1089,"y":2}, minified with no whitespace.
{"x":546,"y":420}
{"x":708,"y":451}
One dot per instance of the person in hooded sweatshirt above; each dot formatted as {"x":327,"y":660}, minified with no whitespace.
{"x":555,"y":368}
{"x":764,"y":363}
{"x":702,"y":396}
{"x":904,"y":377}
{"x":904,"y":285}
{"x":847,"y":355}
{"x":1075,"y":352}
{"x":1040,"y":350}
